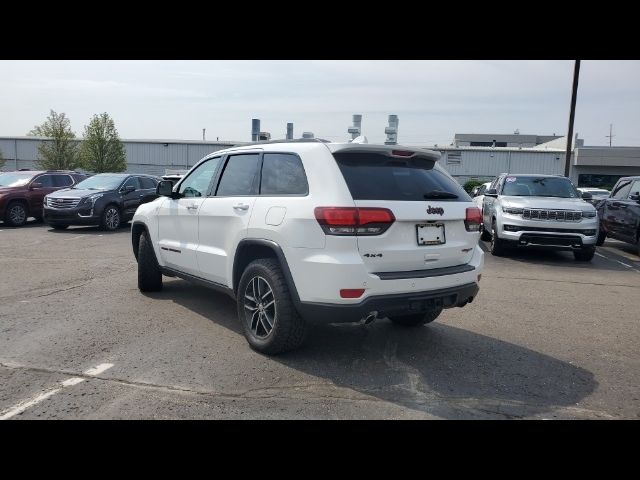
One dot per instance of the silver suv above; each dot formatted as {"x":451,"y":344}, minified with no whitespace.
{"x":521,"y":210}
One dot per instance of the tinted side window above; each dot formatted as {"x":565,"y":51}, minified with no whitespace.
{"x":46,"y":181}
{"x":132,"y":181}
{"x":147,"y":183}
{"x":635,"y":188}
{"x":62,"y":181}
{"x":622,"y":190}
{"x":240,"y":175}
{"x":198,"y":182}
{"x":283,"y":174}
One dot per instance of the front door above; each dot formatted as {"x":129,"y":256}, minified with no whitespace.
{"x":40,"y":186}
{"x":130,"y":199}
{"x":178,"y":219}
{"x":615,"y":211}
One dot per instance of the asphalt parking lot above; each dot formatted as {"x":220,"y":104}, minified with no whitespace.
{"x":547,"y":338}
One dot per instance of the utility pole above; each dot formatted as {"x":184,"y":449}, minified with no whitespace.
{"x":572,"y":112}
{"x":611,"y":135}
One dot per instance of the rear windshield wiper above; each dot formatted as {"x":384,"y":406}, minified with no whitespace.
{"x":434,"y":194}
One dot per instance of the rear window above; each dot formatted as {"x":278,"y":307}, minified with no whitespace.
{"x":374,"y":176}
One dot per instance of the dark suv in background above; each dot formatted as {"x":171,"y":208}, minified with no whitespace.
{"x":22,"y":192}
{"x":105,"y":199}
{"x":620,"y":213}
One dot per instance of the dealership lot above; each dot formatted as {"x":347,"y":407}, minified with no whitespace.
{"x":547,"y":337}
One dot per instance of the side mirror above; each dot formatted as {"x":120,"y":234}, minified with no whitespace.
{"x":491,"y":192}
{"x":35,"y":185}
{"x":635,"y":197}
{"x":587,"y":196}
{"x":165,"y":188}
{"x":128,"y":189}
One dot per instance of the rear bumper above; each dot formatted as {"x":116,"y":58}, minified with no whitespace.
{"x":389,"y":305}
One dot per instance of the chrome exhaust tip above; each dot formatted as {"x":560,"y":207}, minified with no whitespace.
{"x":370,"y":318}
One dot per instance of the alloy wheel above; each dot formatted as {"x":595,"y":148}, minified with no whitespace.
{"x":17,"y":214}
{"x":112,"y":218}
{"x":260,"y":307}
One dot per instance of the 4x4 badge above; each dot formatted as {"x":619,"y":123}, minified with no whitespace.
{"x":438,"y":210}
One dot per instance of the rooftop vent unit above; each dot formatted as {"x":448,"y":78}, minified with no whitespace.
{"x":307,"y":135}
{"x":392,"y":131}
{"x":356,"y":129}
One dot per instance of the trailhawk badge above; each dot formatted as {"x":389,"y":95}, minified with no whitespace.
{"x":438,"y":210}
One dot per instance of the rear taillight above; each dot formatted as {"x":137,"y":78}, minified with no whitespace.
{"x":354,"y":220}
{"x":473,"y":219}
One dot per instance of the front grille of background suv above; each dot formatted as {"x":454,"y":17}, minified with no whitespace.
{"x":63,"y":202}
{"x":554,"y":215}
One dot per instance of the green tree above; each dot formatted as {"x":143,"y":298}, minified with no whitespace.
{"x":61,"y":151}
{"x":471,"y":184}
{"x":101,"y":149}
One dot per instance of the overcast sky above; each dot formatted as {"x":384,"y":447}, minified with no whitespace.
{"x":433,"y":99}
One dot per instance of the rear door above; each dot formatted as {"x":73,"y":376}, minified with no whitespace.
{"x":429,"y":207}
{"x":148,"y":189}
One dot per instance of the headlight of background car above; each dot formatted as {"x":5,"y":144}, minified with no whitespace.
{"x":512,"y":210}
{"x":47,"y":201}
{"x":91,"y":199}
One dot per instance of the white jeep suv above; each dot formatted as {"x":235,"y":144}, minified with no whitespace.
{"x":521,"y":210}
{"x":311,"y":231}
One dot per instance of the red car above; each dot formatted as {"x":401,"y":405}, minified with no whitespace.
{"x":22,"y":192}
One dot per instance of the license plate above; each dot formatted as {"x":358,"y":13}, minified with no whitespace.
{"x":430,"y":234}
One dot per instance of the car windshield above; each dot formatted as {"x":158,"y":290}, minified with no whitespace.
{"x":539,"y":187}
{"x":100,"y":182}
{"x":15,"y":179}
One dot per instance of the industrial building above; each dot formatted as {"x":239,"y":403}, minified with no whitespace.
{"x":590,"y":166}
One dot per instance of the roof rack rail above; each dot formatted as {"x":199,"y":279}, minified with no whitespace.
{"x":295,"y":140}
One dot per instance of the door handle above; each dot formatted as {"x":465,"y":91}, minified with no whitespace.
{"x":241,"y":206}
{"x":192,"y":207}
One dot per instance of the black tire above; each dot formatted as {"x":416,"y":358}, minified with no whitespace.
{"x":417,"y":319}
{"x":602,"y":235}
{"x":497,"y":247}
{"x":288,"y":330}
{"x":111,"y":218}
{"x":149,"y":274}
{"x":16,"y":214}
{"x":59,"y":227}
{"x":484,"y":235}
{"x":585,"y":254}
{"x":638,"y":245}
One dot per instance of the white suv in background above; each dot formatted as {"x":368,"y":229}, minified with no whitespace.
{"x":311,"y":231}
{"x":522,"y":210}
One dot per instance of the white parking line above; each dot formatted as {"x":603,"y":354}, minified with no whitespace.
{"x":70,"y":382}
{"x":21,"y":407}
{"x":99,"y":369}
